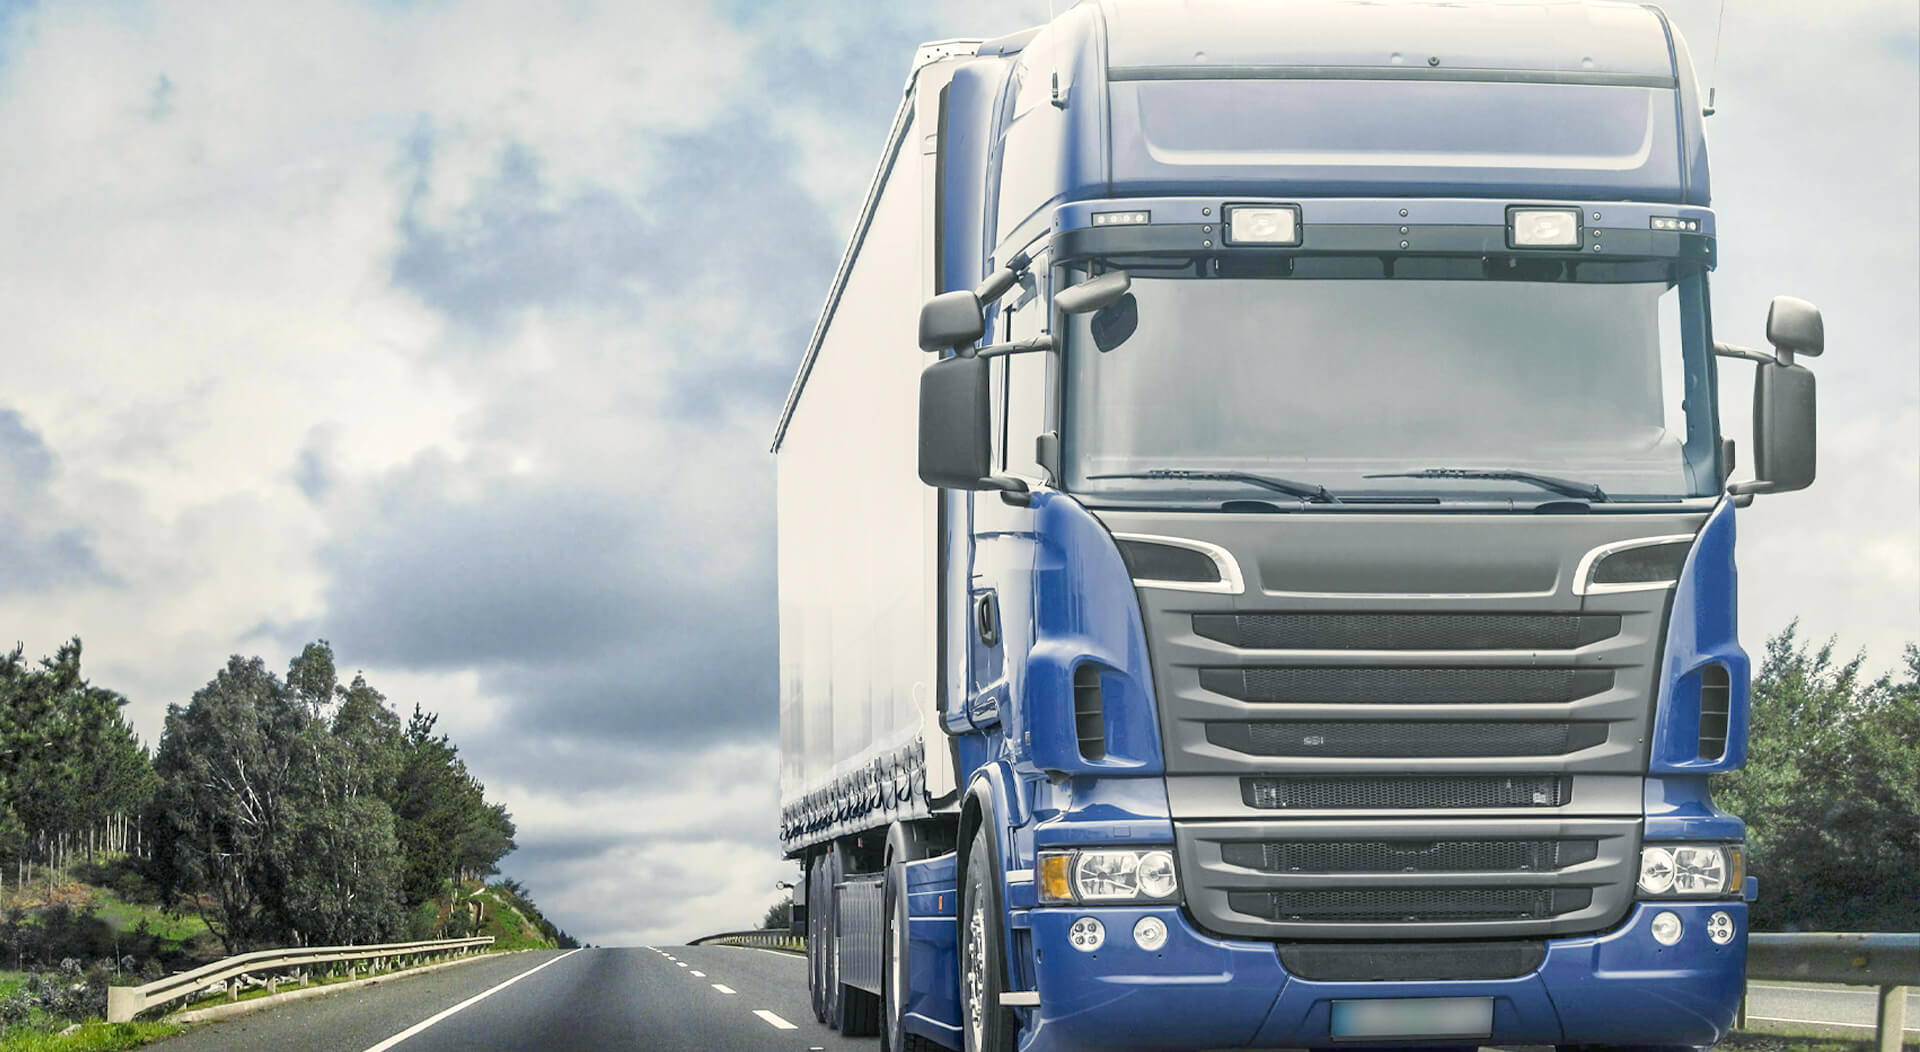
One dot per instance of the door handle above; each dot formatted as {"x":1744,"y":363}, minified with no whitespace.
{"x":986,"y":620}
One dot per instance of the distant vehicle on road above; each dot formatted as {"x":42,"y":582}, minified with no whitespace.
{"x":1295,"y":604}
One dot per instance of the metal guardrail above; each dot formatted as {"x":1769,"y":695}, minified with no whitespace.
{"x":766,"y":939}
{"x":263,"y":968}
{"x":1888,"y":961}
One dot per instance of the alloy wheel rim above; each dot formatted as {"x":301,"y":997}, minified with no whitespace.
{"x":977,"y":974}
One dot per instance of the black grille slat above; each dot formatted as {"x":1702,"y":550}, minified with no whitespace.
{"x":1398,"y":739}
{"x":1407,"y":631}
{"x":1406,"y":793}
{"x":1716,"y":703}
{"x":1408,"y":856}
{"x":1089,"y":713}
{"x":1410,"y":905}
{"x":1408,"y":962}
{"x":1385,"y":685}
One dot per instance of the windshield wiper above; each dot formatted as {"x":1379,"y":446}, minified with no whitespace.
{"x":1304,"y":491}
{"x":1565,"y":487}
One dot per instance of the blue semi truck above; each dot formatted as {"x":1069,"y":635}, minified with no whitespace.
{"x":1287,"y":600}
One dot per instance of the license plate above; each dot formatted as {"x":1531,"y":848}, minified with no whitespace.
{"x":1414,"y":1017}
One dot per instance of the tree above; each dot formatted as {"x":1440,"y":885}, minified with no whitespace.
{"x":71,"y":768}
{"x":226,"y":813}
{"x":1831,"y":791}
{"x":779,"y":915}
{"x":445,"y":824}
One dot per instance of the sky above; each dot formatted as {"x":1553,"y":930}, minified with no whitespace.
{"x":455,"y":332}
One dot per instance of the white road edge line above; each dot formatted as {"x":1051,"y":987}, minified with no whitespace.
{"x":1823,"y":1022}
{"x":774,"y":1021}
{"x":723,"y":988}
{"x":475,"y":999}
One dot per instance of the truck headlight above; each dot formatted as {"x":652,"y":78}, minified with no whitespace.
{"x":1670,"y":870}
{"x":1107,"y":875}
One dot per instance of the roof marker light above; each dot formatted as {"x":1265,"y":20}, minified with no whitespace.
{"x":1674,"y":223}
{"x":1543,"y":227}
{"x":1121,"y":218}
{"x":1264,"y":225}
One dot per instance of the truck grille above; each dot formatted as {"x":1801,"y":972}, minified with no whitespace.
{"x":1405,"y":739}
{"x":1404,"y":685}
{"x":1403,"y":856}
{"x":1412,"y":905}
{"x":1405,"y":728}
{"x":1406,"y":793}
{"x":1407,"y":631}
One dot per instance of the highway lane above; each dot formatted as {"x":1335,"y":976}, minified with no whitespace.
{"x":671,"y":998}
{"x":638,"y":998}
{"x":1848,"y":1008}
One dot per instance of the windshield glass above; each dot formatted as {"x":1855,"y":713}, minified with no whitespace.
{"x":1329,"y":380}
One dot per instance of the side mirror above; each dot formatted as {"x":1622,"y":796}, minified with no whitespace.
{"x":951,"y":320}
{"x":1783,"y":428}
{"x":1094,"y":293}
{"x":955,"y":420}
{"x":956,"y":445}
{"x":1784,"y":419}
{"x":1794,"y":326}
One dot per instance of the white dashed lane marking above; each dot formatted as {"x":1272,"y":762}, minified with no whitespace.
{"x":723,"y":988}
{"x":774,"y":1021}
{"x":699,"y":975}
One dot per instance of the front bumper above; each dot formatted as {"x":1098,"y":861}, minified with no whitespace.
{"x":1199,"y":991}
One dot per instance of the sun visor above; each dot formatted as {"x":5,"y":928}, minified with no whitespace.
{"x":1425,"y":137}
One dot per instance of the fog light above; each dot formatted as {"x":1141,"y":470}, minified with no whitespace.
{"x":1088,"y":935}
{"x":1151,"y":933}
{"x":1720,"y":927}
{"x":1666,"y":928}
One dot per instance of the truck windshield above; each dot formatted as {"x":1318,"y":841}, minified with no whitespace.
{"x":1330,"y":380}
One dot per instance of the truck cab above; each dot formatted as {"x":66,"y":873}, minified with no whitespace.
{"x":1329,"y":543}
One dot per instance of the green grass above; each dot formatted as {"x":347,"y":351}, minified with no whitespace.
{"x":89,"y":1037}
{"x":125,"y":916}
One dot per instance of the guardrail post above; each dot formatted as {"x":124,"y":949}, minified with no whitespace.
{"x":1892,"y":1017}
{"x":123,"y":1003}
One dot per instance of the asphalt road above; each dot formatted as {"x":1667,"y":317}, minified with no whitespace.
{"x":666,"y":999}
{"x":697,"y":998}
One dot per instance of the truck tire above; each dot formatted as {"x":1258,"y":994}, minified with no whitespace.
{"x":984,"y":1025}
{"x":893,"y":968}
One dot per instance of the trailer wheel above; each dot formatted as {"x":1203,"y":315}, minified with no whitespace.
{"x":985,"y":1025}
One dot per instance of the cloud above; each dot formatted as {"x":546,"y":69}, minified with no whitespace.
{"x":39,"y":548}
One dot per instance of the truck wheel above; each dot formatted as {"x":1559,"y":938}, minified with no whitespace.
{"x":985,"y":1026}
{"x":816,"y":939}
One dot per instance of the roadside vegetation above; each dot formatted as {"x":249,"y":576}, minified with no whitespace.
{"x":1831,"y":790}
{"x":274,"y":812}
